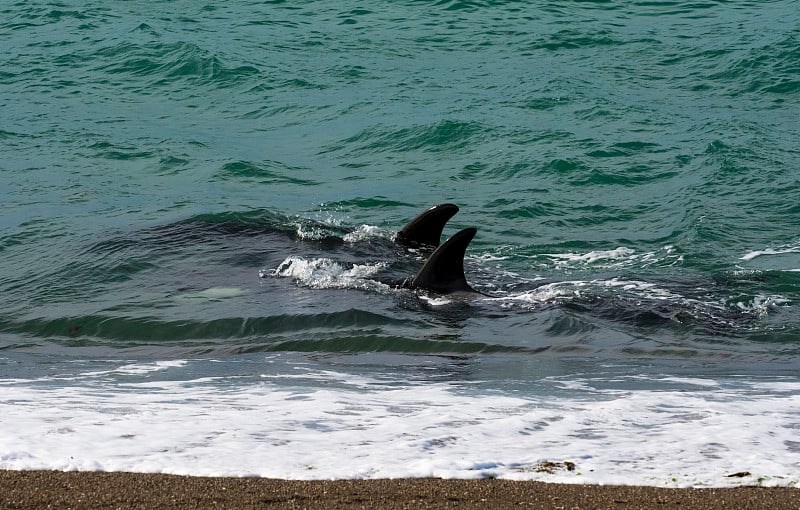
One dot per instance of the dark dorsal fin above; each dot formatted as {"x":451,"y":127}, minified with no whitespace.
{"x":426,"y":228}
{"x":444,"y":270}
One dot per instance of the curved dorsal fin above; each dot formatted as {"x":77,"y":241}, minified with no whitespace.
{"x":443,"y":272}
{"x":426,"y":228}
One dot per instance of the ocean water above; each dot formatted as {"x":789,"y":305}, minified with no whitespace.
{"x":197,"y":205}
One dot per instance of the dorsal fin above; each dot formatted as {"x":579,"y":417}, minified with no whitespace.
{"x":426,"y":228}
{"x":443,"y":272}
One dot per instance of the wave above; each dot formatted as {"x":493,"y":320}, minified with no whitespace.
{"x":570,"y":39}
{"x":436,"y":137}
{"x":264,"y":172}
{"x":778,"y":250}
{"x":153,"y":329}
{"x":166,"y":63}
{"x":352,"y":330}
{"x":273,"y":416}
{"x":703,"y":306}
{"x":769,"y":69}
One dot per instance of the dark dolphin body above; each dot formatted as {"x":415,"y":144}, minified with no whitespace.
{"x":426,"y":229}
{"x":443,"y":272}
{"x":250,"y":235}
{"x":242,"y":241}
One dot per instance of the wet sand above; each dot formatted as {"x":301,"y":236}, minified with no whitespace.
{"x":85,"y":490}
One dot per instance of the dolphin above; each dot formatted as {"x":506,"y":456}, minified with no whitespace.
{"x":443,"y":272}
{"x":426,"y":229}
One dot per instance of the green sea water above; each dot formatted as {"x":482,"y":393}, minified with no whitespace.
{"x":632,"y":169}
{"x":197,"y":209}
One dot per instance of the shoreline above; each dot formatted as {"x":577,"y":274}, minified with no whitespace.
{"x":89,"y":490}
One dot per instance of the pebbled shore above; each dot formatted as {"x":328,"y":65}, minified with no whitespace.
{"x":88,"y":490}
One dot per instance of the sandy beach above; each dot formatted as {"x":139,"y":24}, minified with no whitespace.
{"x":88,"y":490}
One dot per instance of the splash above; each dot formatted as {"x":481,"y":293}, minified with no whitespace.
{"x":364,"y":233}
{"x":324,"y":273}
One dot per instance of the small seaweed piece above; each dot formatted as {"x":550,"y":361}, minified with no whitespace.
{"x":740,"y":474}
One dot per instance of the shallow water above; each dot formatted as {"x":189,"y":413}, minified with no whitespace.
{"x":198,"y":205}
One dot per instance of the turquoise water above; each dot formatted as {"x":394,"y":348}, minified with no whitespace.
{"x":221,"y":181}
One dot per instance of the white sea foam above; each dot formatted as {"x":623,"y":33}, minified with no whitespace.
{"x":322,"y":230}
{"x":780,"y":258}
{"x":215,"y":293}
{"x":594,"y":256}
{"x":570,"y":289}
{"x":547,"y":293}
{"x":325,"y":424}
{"x":770,"y":251}
{"x":323,"y":273}
{"x":435,"y":300}
{"x":491,"y":257}
{"x":310,"y":232}
{"x":761,"y":304}
{"x":616,"y":258}
{"x":124,"y":369}
{"x":362,"y":233}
